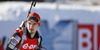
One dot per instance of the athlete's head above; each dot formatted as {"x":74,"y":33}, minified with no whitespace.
{"x":33,"y":22}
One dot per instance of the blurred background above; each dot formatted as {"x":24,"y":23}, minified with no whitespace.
{"x":65,"y":24}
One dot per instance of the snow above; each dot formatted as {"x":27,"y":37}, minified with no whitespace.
{"x":18,"y":11}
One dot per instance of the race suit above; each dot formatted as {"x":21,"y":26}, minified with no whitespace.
{"x":28,"y":44}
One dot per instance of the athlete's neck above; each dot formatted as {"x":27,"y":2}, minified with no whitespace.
{"x":32,"y":35}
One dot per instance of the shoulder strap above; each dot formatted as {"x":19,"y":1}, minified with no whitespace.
{"x":39,"y":41}
{"x":39,"y":46}
{"x":23,"y":36}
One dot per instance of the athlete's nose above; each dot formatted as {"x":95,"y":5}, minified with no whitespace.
{"x":31,"y":26}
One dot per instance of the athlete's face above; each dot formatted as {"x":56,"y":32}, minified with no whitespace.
{"x":32,"y":26}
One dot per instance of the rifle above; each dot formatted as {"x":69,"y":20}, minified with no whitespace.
{"x":22,"y":26}
{"x":23,"y":22}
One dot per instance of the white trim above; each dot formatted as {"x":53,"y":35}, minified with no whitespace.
{"x":95,"y":36}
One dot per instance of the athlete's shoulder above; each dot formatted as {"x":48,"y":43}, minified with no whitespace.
{"x":20,"y":31}
{"x":16,"y":32}
{"x":14,"y":40}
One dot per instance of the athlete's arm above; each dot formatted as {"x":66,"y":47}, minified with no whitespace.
{"x":13,"y":41}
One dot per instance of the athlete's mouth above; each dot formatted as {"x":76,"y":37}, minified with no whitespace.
{"x":31,"y":29}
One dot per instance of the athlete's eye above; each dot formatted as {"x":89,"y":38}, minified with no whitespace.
{"x":29,"y":23}
{"x":34,"y":23}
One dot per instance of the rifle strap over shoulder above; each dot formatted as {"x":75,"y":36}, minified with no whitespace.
{"x":23,"y":36}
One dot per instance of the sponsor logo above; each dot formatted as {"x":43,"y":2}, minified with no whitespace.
{"x":11,"y":46}
{"x":88,"y":37}
{"x":27,"y":46}
{"x":85,"y":37}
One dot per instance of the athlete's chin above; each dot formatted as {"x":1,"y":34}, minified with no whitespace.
{"x":31,"y":32}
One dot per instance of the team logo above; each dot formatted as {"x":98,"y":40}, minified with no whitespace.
{"x":26,"y":46}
